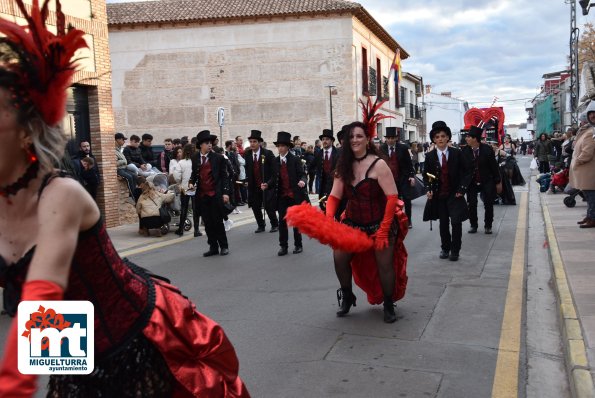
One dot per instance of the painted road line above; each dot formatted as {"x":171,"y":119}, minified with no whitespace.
{"x":506,"y":379}
{"x":581,"y":382}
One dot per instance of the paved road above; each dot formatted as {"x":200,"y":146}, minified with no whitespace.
{"x":280,"y":315}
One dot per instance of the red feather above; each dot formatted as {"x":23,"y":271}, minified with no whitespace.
{"x":370,"y":115}
{"x":312,"y":222}
{"x":47,"y":66}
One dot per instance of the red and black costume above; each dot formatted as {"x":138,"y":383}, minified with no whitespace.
{"x":149,"y":339}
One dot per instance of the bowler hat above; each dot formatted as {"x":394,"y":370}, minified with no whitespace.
{"x":283,"y":138}
{"x":205,"y":135}
{"x":328,"y":134}
{"x":256,"y":135}
{"x":475,"y":132}
{"x":440,"y":126}
{"x":390,"y":132}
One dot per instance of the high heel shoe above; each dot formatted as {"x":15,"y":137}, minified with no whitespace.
{"x":346,"y":299}
{"x":389,"y":310}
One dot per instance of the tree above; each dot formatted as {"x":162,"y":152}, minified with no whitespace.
{"x":586,"y":46}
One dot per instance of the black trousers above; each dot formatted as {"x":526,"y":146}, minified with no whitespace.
{"x":184,"y":201}
{"x":284,"y":204}
{"x":449,"y":242}
{"x":256,"y":200}
{"x":311,"y":177}
{"x":544,"y":167}
{"x":210,"y":209}
{"x":488,"y":192}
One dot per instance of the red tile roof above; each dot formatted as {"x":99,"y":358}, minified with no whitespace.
{"x":174,"y":11}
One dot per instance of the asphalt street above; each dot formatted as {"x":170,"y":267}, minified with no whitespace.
{"x":279,"y":312}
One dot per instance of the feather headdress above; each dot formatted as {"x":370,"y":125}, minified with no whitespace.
{"x":370,"y":115}
{"x":41,"y":60}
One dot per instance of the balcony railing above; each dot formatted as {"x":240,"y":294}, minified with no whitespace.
{"x":412,"y":111}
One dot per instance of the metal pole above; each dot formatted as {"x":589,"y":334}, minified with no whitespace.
{"x":221,"y":136}
{"x":330,"y":96}
{"x":574,"y":67}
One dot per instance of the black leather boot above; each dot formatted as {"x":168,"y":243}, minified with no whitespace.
{"x":389,"y":310}
{"x":346,"y":299}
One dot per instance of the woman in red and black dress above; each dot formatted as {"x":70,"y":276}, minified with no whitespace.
{"x":373,"y":207}
{"x":149,"y":339}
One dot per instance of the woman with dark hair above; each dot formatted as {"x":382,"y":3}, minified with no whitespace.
{"x":542,"y":151}
{"x":149,"y":339}
{"x":187,"y":196}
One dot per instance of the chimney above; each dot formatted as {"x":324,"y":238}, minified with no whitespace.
{"x":428,"y":88}
{"x":446,"y":94}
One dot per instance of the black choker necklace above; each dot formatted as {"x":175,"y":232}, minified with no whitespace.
{"x":362,"y":158}
{"x":24,"y":180}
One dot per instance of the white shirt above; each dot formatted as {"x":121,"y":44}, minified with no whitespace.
{"x":440,"y":155}
{"x":283,"y":159}
{"x":185,"y":166}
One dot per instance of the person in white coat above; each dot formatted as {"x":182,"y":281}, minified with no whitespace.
{"x":185,"y":171}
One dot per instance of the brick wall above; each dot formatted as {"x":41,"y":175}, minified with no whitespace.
{"x":100,"y":100}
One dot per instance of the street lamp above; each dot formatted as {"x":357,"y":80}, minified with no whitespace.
{"x":330,"y":98}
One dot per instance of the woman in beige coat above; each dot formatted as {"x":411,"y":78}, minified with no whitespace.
{"x":148,"y":206}
{"x":582,"y":167}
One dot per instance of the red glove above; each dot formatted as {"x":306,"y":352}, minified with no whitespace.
{"x":13,"y":383}
{"x":332,"y":204}
{"x":381,"y":236}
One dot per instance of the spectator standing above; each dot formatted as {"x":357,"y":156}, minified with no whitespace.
{"x":582,"y":167}
{"x":310,"y":166}
{"x":167,"y":155}
{"x":240,"y":145}
{"x":183,"y":172}
{"x":542,"y":151}
{"x":421,"y":157}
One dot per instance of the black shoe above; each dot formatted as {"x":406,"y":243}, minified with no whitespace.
{"x":210,"y":253}
{"x":454,"y":257}
{"x":346,"y":299}
{"x":274,"y":229}
{"x":241,"y":204}
{"x":472,"y":230}
{"x":224,"y":251}
{"x":410,"y":226}
{"x":488,"y":231}
{"x":197,"y":233}
{"x":259,"y":230}
{"x":282,"y":251}
{"x":389,"y":310}
{"x":179,"y":232}
{"x":298,"y":249}
{"x":444,"y":254}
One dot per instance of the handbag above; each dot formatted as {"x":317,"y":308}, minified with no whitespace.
{"x":534,"y":165}
{"x":163,"y":213}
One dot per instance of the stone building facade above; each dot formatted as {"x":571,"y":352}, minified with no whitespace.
{"x":175,"y":62}
{"x":89,"y":105}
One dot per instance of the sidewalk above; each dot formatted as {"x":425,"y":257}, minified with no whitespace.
{"x":573,"y":256}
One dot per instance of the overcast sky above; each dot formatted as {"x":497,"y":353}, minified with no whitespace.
{"x":483,"y":49}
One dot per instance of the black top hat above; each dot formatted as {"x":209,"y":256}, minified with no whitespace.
{"x":391,"y":132}
{"x":256,"y":135}
{"x":440,"y":126}
{"x":283,"y":138}
{"x":205,"y":135}
{"x":475,"y":132}
{"x":343,"y":131}
{"x":327,"y":133}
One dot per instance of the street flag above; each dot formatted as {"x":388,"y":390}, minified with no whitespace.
{"x":397,"y":66}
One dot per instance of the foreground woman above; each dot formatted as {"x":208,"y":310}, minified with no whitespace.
{"x":149,"y":339}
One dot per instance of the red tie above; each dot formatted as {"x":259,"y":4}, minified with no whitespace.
{"x":255,"y":158}
{"x":204,"y":159}
{"x":444,"y":161}
{"x":326,"y":156}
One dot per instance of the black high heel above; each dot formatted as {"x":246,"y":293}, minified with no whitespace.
{"x":346,"y":299}
{"x":389,"y":310}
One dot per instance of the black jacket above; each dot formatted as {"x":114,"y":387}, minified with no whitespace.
{"x":235,"y":165}
{"x":406,"y":169}
{"x":326,"y":183}
{"x":134,"y":156}
{"x":269,"y":158}
{"x":488,"y":165}
{"x":150,"y":157}
{"x":459,"y":171}
{"x":296,"y":174}
{"x":218,"y":169}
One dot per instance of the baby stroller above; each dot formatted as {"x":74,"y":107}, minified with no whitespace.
{"x":570,"y":200}
{"x":173,"y":208}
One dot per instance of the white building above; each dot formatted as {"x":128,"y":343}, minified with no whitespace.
{"x":446,"y":108}
{"x":410,"y":98}
{"x":267,"y":62}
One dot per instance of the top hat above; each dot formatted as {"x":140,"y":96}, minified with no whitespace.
{"x":256,"y":135}
{"x":475,"y":132}
{"x":390,"y":132}
{"x":120,"y":136}
{"x":343,"y":131}
{"x":283,"y":138}
{"x":327,"y":133}
{"x":440,"y":126}
{"x":205,"y":135}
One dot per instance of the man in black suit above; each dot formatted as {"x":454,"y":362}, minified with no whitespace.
{"x":485,"y":178}
{"x":210,"y":177}
{"x":400,"y":164}
{"x":289,"y":183}
{"x":259,"y":168}
{"x":447,"y":176}
{"x":325,"y":163}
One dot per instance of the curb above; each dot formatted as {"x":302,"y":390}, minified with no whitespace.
{"x":577,"y":364}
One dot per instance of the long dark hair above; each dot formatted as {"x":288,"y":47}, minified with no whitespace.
{"x":345,"y":164}
{"x":188,"y":151}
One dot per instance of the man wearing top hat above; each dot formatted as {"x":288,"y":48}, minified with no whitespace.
{"x":447,"y":174}
{"x":399,"y":162}
{"x":325,"y":163}
{"x":259,"y":168}
{"x":289,"y":183}
{"x":210,"y":177}
{"x":485,"y":178}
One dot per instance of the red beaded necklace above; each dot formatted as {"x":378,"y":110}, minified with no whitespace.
{"x":23,"y":181}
